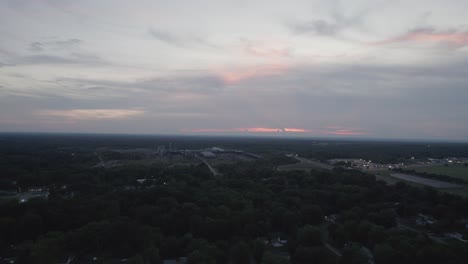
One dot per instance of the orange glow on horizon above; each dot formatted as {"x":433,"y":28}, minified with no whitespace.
{"x":261,"y":129}
{"x":297,"y":130}
{"x":337,"y":132}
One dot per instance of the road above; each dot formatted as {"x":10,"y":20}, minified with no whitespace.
{"x":213,"y":171}
{"x":101,"y":163}
{"x":332,"y":249}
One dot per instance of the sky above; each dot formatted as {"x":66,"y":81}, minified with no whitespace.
{"x":316,"y":68}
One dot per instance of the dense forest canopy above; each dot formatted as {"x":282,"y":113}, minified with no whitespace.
{"x":249,"y":213}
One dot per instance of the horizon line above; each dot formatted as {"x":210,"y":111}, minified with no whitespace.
{"x":252,"y":135}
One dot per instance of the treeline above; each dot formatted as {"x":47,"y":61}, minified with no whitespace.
{"x":103,"y":215}
{"x":231,"y":219}
{"x":321,"y":149}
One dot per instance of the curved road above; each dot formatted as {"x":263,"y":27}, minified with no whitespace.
{"x":215,"y":173}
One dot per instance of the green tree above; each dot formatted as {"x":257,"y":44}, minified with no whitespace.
{"x":200,"y":257}
{"x":240,"y":254}
{"x":316,"y":255}
{"x":310,"y":236}
{"x":353,"y":255}
{"x":312,"y":215}
{"x":384,"y":254}
{"x":137,"y":259}
{"x":31,"y":226}
{"x":258,"y":248}
{"x":151,"y":255}
{"x":270,"y":258}
{"x":48,"y":249}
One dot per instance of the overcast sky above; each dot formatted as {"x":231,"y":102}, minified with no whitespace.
{"x":376,"y":69}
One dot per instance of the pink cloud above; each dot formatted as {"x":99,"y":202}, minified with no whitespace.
{"x":452,"y":38}
{"x":248,"y":129}
{"x":267,"y":48}
{"x":239,"y":75}
{"x":337,"y":131}
{"x":261,"y":130}
{"x":297,"y":130}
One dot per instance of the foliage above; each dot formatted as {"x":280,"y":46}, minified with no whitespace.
{"x":185,"y":211}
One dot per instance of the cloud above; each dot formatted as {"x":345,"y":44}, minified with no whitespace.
{"x":450,"y":38}
{"x":45,"y":59}
{"x":344,"y":132}
{"x":261,"y":130}
{"x":178,"y":39}
{"x":164,"y":36}
{"x":230,"y":130}
{"x":38,"y":46}
{"x":53,"y":59}
{"x":202,"y":83}
{"x":335,"y":132}
{"x":339,"y":19}
{"x":267,"y":50}
{"x":318,"y":27}
{"x":208,"y":130}
{"x":305,"y":100}
{"x":46,"y":55}
{"x":68,"y":42}
{"x":235,"y":76}
{"x":92,"y":114}
{"x":85,"y":56}
{"x":5,"y":52}
{"x":297,"y":130}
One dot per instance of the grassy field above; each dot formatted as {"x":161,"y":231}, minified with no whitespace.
{"x":455,"y":171}
{"x":385,"y":176}
{"x":425,"y":181}
{"x":305,"y":165}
